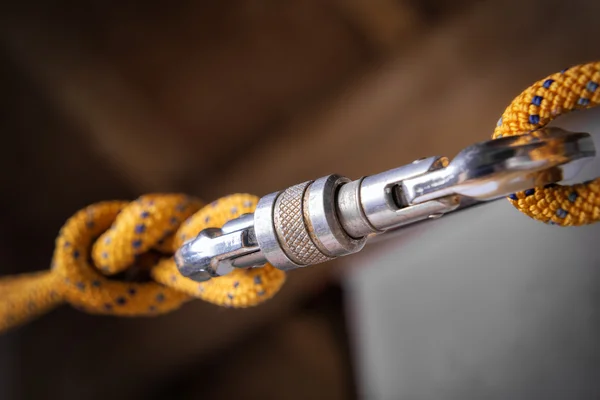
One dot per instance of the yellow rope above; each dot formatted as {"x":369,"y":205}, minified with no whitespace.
{"x":141,"y":235}
{"x":572,"y":89}
{"x":106,"y":240}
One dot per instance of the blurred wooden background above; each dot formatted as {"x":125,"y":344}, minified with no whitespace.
{"x":109,"y":100}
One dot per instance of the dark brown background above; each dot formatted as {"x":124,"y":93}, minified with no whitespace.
{"x":107,"y":100}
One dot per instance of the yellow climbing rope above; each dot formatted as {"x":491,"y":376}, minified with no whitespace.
{"x":103,"y":242}
{"x":108,"y":238}
{"x":572,"y":89}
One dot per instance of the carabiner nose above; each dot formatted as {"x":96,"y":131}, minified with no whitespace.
{"x":497,"y":168}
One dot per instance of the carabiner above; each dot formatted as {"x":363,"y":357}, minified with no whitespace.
{"x":317,"y":221}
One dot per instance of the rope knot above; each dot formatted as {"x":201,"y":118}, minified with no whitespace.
{"x":117,"y":258}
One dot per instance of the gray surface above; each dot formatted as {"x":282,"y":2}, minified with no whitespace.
{"x":482,"y":304}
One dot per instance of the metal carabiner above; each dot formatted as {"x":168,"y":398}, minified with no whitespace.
{"x":317,"y":221}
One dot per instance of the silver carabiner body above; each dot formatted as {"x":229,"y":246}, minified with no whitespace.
{"x":317,"y":221}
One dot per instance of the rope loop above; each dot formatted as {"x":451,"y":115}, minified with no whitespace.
{"x":240,"y":288}
{"x":569,"y":90}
